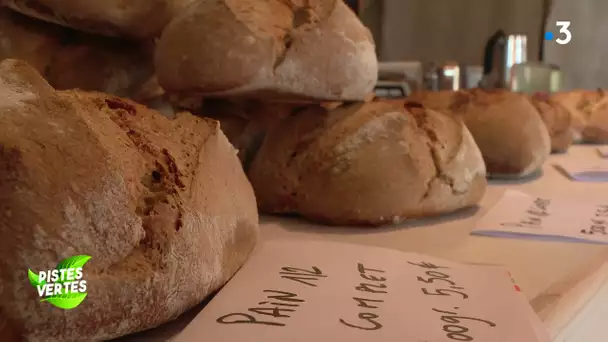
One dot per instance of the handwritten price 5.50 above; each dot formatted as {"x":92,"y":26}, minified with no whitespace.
{"x":439,"y":278}
{"x":454,"y":322}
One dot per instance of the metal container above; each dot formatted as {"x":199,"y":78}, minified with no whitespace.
{"x":472,"y":75}
{"x":515,"y":52}
{"x":535,"y":77}
{"x":501,"y":54}
{"x":448,"y":76}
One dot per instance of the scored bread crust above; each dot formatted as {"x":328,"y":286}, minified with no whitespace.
{"x":557,"y":119}
{"x":162,"y":206}
{"x":509,"y":131}
{"x":116,"y":18}
{"x":367,"y":164}
{"x":288,"y":50}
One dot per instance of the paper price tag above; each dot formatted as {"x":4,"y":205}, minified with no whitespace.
{"x":520,"y":215}
{"x":584,"y":171}
{"x":321,"y":291}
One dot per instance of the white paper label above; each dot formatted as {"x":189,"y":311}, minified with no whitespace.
{"x":320,"y":291}
{"x":584,"y":171}
{"x":520,"y":215}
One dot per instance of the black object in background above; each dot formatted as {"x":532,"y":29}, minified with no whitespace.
{"x":354,"y":5}
{"x":490,"y":50}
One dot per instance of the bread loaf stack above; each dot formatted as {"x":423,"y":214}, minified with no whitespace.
{"x":164,"y":206}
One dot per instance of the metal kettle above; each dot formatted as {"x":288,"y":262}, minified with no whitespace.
{"x":501,"y":53}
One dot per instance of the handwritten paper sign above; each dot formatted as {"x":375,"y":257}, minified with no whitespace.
{"x":520,"y":215}
{"x":584,"y":171}
{"x":321,"y":291}
{"x":603,"y":151}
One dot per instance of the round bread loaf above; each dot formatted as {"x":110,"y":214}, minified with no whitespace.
{"x":132,"y":19}
{"x":279,"y":49}
{"x":509,"y":131}
{"x":596,"y":130}
{"x":162,"y":206}
{"x":557,"y":119}
{"x":367,"y":164}
{"x":579,"y":104}
{"x":68,"y":59}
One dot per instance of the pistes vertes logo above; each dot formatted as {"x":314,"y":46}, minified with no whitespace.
{"x":64,"y":286}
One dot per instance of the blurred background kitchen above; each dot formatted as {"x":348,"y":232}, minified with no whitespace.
{"x":444,"y":32}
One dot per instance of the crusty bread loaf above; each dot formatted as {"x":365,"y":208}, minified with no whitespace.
{"x":596,"y":129}
{"x":162,"y":206}
{"x":367,"y":164}
{"x":133,"y":19}
{"x":281,"y":49}
{"x":557,"y":119}
{"x":509,"y":131}
{"x":69,"y":59}
{"x":579,"y":104}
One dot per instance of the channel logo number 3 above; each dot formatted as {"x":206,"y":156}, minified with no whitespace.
{"x":565,"y":34}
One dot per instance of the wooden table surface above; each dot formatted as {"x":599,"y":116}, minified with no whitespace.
{"x":557,"y":277}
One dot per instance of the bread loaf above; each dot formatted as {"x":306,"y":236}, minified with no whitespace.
{"x":557,"y":119}
{"x":279,"y":49}
{"x":596,"y":129}
{"x":367,"y":164}
{"x":133,"y":19}
{"x":69,"y":59}
{"x":579,"y":104}
{"x":509,"y":131}
{"x":162,"y":206}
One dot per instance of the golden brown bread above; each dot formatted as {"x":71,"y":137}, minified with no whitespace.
{"x":557,"y":119}
{"x":579,"y":103}
{"x":68,"y":59}
{"x":367,"y":164}
{"x":162,"y":206}
{"x":273,"y":48}
{"x":596,"y":130}
{"x":133,"y":19}
{"x":509,"y":131}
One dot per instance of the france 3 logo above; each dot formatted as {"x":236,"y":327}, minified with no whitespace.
{"x":564,"y":35}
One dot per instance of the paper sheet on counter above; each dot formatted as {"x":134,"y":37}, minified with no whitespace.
{"x":518,"y":214}
{"x":603,"y":151}
{"x":584,"y":171}
{"x":323,"y":291}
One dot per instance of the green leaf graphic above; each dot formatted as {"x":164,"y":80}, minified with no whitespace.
{"x":34,"y":279}
{"x":66,"y":301}
{"x":72,"y":262}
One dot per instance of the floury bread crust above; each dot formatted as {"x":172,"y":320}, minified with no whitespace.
{"x":596,"y":130}
{"x":509,"y":131}
{"x":68,"y":59}
{"x":119,"y":18}
{"x":579,"y":103}
{"x":162,"y":206}
{"x":367,"y":164}
{"x":557,"y":119}
{"x":280,"y":49}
